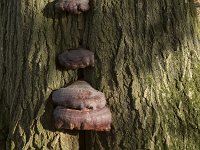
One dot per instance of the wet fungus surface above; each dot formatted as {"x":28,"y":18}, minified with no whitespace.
{"x":79,"y":95}
{"x":81,"y":107}
{"x":99,"y":120}
{"x":72,"y":6}
{"x":77,"y":58}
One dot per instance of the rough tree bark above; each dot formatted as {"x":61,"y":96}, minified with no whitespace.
{"x":147,"y":65}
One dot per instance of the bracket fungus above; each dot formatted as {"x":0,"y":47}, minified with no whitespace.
{"x":98,"y":120}
{"x":79,"y":95}
{"x":77,"y":58}
{"x":72,"y":6}
{"x":81,"y":107}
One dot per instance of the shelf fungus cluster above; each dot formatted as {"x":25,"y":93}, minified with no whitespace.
{"x":77,"y":58}
{"x":81,"y":107}
{"x":72,"y":6}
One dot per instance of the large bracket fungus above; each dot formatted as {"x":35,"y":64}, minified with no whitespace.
{"x":79,"y":95}
{"x":72,"y":6}
{"x":77,"y":58}
{"x":98,"y":120}
{"x":81,"y":107}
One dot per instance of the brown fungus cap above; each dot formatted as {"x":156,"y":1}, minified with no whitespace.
{"x":77,"y":58}
{"x":72,"y":6}
{"x":98,"y":120}
{"x":79,"y":95}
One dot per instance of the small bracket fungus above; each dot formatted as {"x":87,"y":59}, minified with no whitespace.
{"x":79,"y":95}
{"x":72,"y":6}
{"x":98,"y":120}
{"x":77,"y":58}
{"x":197,"y":3}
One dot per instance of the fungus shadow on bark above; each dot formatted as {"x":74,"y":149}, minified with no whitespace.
{"x":103,"y":138}
{"x":4,"y":133}
{"x":88,"y":138}
{"x":47,"y":119}
{"x":49,"y":11}
{"x":58,"y":66}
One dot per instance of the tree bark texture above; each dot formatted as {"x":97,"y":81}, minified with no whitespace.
{"x":148,"y":66}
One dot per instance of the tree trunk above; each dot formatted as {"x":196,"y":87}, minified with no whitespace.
{"x":148,"y":66}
